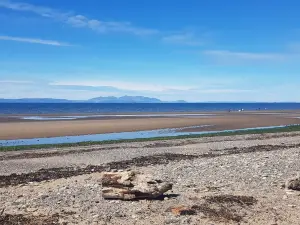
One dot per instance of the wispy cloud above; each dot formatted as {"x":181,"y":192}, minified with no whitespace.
{"x":79,"y":21}
{"x":294,"y":47}
{"x":19,"y":6}
{"x":15,"y":82}
{"x":227,"y":91}
{"x":43,"y":90}
{"x":33,"y":41}
{"x":230,"y":55}
{"x":110,"y":26}
{"x":182,"y":39}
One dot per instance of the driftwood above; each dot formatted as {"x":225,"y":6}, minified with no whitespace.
{"x":132,"y":186}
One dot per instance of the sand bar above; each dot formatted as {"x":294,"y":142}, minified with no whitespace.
{"x":16,"y":129}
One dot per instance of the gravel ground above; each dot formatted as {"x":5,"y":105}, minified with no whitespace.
{"x":224,"y":180}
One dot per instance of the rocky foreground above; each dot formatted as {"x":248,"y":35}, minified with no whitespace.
{"x":220,"y":180}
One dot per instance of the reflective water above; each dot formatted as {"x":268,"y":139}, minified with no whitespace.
{"x":114,"y":136}
{"x":119,"y":108}
{"x":74,"y":117}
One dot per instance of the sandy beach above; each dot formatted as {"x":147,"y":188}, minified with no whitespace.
{"x":226,"y":180}
{"x":15,"y":128}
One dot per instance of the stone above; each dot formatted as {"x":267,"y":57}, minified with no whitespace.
{"x":43,"y":196}
{"x":185,"y":221}
{"x":31,"y":209}
{"x":171,"y":220}
{"x":129,"y":185}
{"x":285,"y":197}
{"x":134,"y":216}
{"x":293,"y":183}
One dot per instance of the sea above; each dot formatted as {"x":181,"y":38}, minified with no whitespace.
{"x":118,"y":108}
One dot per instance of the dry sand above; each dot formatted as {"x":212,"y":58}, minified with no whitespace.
{"x":11,"y":128}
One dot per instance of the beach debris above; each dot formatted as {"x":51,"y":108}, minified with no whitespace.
{"x":29,"y":219}
{"x":225,"y":208}
{"x":182,"y":210}
{"x":293,"y":183}
{"x":130,"y":185}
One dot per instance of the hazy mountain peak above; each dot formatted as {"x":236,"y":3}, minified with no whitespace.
{"x":125,"y":99}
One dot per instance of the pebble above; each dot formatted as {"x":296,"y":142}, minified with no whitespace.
{"x":172,"y":220}
{"x":43,"y":196}
{"x":284,"y":197}
{"x":185,"y":221}
{"x":31,"y":209}
{"x":134,"y":216}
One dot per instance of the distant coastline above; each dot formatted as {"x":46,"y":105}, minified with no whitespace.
{"x":127,"y":99}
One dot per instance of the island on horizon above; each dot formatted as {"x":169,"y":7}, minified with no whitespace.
{"x":108,"y":99}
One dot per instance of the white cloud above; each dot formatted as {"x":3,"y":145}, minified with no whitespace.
{"x":33,"y":41}
{"x":230,"y":55}
{"x":182,"y":39}
{"x":78,"y":20}
{"x":130,"y":86}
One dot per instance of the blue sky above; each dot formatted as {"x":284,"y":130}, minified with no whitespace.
{"x":193,"y":50}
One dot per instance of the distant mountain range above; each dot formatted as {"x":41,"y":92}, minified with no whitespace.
{"x":125,"y":99}
{"x":109,"y":99}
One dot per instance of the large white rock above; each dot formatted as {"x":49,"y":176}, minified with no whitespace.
{"x":132,"y":186}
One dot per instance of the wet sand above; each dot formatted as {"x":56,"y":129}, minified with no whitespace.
{"x":14,"y":128}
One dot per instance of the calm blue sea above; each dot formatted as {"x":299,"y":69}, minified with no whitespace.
{"x":94,"y":108}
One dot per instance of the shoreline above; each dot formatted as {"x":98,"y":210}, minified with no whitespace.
{"x":288,"y":130}
{"x":154,"y":112}
{"x":34,"y":117}
{"x":17,"y":118}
